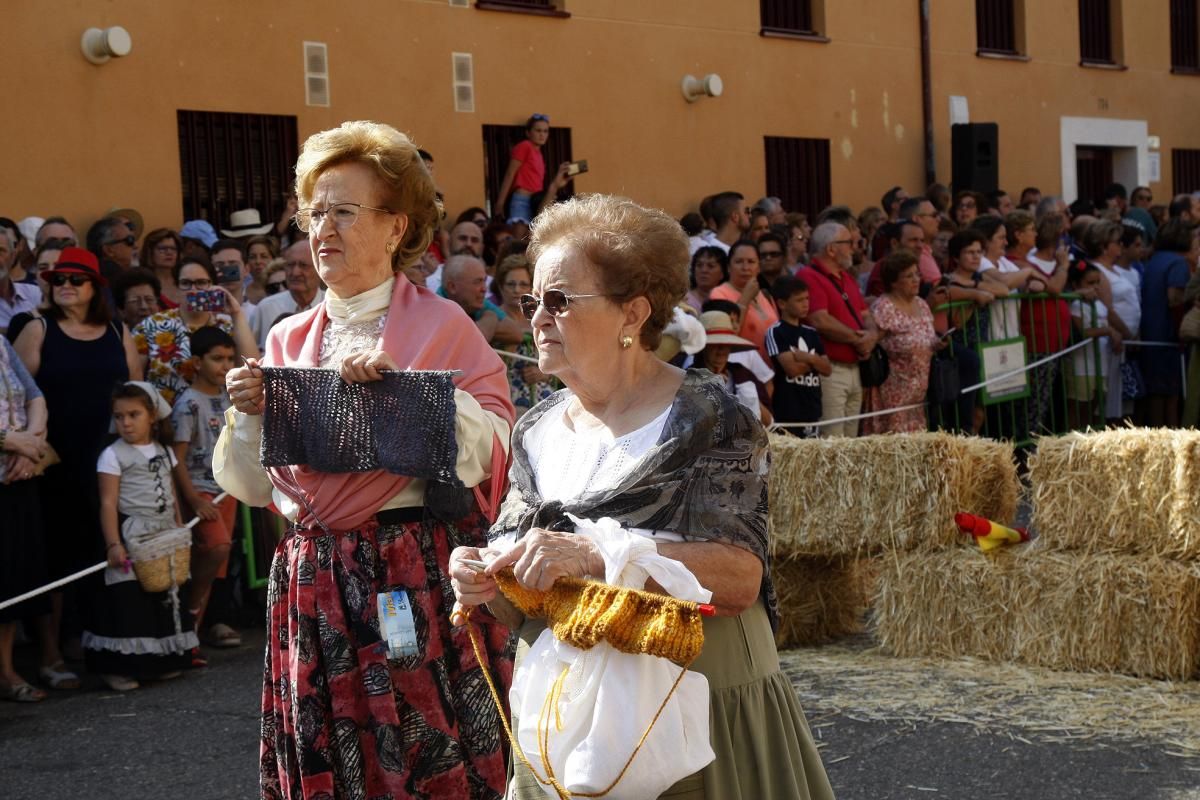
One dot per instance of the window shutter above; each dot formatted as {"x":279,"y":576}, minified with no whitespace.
{"x":463,"y":77}
{"x":316,"y":74}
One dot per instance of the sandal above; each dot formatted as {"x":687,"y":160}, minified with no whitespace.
{"x":21,"y":693}
{"x":57,"y":676}
{"x":221,"y":635}
{"x":198,"y":659}
{"x":120,"y":683}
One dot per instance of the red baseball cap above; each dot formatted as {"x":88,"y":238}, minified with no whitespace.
{"x":78,"y":261}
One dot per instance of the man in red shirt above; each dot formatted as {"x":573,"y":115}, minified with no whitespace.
{"x":847,"y":330}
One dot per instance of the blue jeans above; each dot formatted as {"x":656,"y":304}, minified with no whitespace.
{"x":521,"y":205}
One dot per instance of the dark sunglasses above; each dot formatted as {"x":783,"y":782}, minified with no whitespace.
{"x":129,"y":240}
{"x":274,"y":287}
{"x":554,"y":300}
{"x":540,"y":118}
{"x":61,"y":279}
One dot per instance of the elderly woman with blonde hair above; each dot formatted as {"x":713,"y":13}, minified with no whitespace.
{"x":668,"y":454}
{"x":345,"y":712}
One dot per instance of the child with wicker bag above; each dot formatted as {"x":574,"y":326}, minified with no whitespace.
{"x":139,"y":627}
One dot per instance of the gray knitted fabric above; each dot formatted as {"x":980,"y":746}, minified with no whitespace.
{"x":403,"y":424}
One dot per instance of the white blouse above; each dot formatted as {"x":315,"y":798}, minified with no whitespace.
{"x":566,"y":463}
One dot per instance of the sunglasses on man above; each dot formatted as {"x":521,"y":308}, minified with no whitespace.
{"x":129,"y":240}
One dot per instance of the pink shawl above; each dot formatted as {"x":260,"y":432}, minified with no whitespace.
{"x":423,"y":331}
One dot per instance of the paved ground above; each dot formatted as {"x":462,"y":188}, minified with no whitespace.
{"x":196,"y":737}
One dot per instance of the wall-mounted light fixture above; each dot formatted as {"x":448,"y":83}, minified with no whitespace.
{"x":101,"y":44}
{"x":709,"y":86}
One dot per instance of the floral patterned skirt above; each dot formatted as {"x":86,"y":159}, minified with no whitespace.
{"x":341,"y":719}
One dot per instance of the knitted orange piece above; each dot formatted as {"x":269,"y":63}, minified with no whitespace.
{"x":583,"y":612}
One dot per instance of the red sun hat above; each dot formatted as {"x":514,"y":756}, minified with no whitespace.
{"x":78,"y":261}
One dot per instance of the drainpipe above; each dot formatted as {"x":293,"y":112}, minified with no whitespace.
{"x":927,"y":96}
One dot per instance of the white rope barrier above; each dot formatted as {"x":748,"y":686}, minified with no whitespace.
{"x":975,"y":387}
{"x":49,"y":587}
{"x":514,"y":356}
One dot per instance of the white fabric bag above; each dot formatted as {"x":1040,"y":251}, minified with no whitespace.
{"x":608,"y":698}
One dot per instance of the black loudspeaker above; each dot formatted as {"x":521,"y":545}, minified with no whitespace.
{"x":975,"y":156}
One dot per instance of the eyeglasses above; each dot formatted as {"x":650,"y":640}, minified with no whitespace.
{"x":770,"y":254}
{"x":274,"y":287}
{"x":165,"y":248}
{"x":344,"y":215}
{"x":129,"y":240}
{"x":60,"y":279}
{"x":554,"y":300}
{"x":198,"y":283}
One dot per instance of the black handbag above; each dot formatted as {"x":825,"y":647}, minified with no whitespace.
{"x":944,"y":384}
{"x":875,"y":369}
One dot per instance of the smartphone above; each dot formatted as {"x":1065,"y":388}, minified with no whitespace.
{"x":577,"y":167}
{"x":205,"y":300}
{"x":231,"y":273}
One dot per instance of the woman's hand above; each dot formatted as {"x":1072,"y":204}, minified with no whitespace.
{"x":25,"y":443}
{"x":19,"y":468}
{"x":471,"y":588}
{"x":541,"y":557}
{"x":749,"y":294}
{"x":231,"y":304}
{"x":117,"y":557}
{"x":245,"y":387}
{"x":365,"y":366}
{"x":983,"y":298}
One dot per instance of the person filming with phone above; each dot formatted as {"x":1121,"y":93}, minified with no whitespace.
{"x":163,"y":339}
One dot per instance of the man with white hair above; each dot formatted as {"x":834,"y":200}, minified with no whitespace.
{"x":773,"y":208}
{"x":303,"y":290}
{"x":841,"y":317}
{"x":464,"y":280}
{"x":15,"y":298}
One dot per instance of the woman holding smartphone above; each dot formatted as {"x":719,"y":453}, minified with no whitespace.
{"x":163,"y":339}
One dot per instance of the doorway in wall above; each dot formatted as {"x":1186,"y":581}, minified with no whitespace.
{"x":1093,"y":172}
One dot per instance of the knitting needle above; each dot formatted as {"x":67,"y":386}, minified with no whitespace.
{"x":705,"y":609}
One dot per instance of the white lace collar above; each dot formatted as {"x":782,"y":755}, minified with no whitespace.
{"x":362,"y":307}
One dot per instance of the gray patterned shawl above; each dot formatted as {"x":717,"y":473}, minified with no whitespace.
{"x":705,"y":479}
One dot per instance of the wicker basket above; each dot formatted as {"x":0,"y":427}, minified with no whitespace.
{"x":161,"y":559}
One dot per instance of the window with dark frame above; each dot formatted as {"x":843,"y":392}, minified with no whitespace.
{"x":234,"y":161}
{"x":1095,"y":32}
{"x":798,"y":173}
{"x":1185,"y":171}
{"x":547,"y":8}
{"x":498,"y":142}
{"x":788,"y":17}
{"x":1185,"y":36}
{"x":996,"y":27}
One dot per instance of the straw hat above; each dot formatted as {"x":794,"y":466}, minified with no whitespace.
{"x":130,"y":215}
{"x":718,"y":329}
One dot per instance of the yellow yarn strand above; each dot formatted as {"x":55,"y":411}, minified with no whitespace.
{"x":582,"y":613}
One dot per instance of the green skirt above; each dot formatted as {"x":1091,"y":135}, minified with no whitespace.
{"x":764,"y":748}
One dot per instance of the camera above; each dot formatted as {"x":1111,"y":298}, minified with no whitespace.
{"x":230,"y":273}
{"x":577,"y":167}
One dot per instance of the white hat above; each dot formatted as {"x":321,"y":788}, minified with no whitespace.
{"x":246,"y":222}
{"x":162,"y":409}
{"x":29,"y":228}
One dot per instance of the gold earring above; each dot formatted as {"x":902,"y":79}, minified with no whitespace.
{"x":626,"y":342}
{"x":391,"y":246}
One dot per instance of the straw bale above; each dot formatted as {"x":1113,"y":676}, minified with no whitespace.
{"x":820,"y":599}
{"x":848,"y":497}
{"x":1138,"y":615}
{"x":1127,"y":490}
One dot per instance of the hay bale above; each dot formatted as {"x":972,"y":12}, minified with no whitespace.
{"x":820,"y":599}
{"x":848,"y":497}
{"x":1127,"y":490}
{"x":1138,"y":615}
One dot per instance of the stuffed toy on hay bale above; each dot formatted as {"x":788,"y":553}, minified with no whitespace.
{"x":1127,"y":490}
{"x":843,"y":497}
{"x":1138,"y":615}
{"x":821,"y":599}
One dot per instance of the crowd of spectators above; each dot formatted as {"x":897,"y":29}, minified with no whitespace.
{"x":843,"y":324}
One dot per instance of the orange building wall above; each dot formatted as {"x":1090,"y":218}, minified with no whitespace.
{"x":89,"y":137}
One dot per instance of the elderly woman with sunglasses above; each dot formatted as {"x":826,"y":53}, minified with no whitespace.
{"x":76,"y":352}
{"x":670,"y":455}
{"x":343,"y":714}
